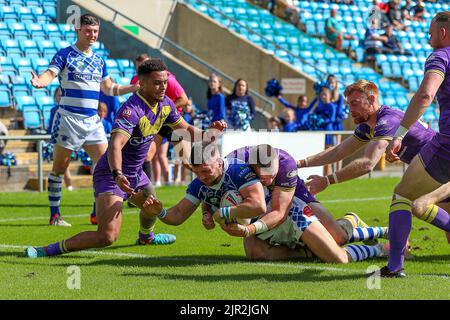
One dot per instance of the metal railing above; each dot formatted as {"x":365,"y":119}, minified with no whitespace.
{"x":242,"y":25}
{"x":40,"y":139}
{"x":266,"y":103}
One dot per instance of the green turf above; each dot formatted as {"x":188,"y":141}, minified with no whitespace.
{"x":204,"y":264}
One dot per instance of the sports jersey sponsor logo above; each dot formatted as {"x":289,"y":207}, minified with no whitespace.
{"x":126,"y":113}
{"x":307,"y":211}
{"x":86,"y":77}
{"x":136,"y":141}
{"x":292,"y":173}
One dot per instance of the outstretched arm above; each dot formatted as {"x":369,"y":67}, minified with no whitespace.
{"x":43,"y":80}
{"x":333,"y":154}
{"x":357,"y":168}
{"x":110,"y":88}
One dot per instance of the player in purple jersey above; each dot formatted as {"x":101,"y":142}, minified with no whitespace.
{"x":376,"y":126}
{"x":430,"y":169}
{"x":285,"y":184}
{"x":277,"y":171}
{"x":118,"y":174}
{"x":215,"y":176}
{"x":82,"y":75}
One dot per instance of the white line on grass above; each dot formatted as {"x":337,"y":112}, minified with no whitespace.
{"x":266,"y":264}
{"x":126,"y":213}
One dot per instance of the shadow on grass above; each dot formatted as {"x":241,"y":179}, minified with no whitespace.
{"x":20,"y":225}
{"x":302,"y":275}
{"x":443,"y":258}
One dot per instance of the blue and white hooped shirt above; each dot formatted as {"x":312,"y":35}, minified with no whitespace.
{"x":80,"y":76}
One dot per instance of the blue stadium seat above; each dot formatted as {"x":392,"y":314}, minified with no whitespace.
{"x":5,"y":79}
{"x":25,"y":14}
{"x":40,"y":64}
{"x":8,"y":12}
{"x":23,"y":65}
{"x":32,"y":118}
{"x":35,"y":30}
{"x":61,"y":44}
{"x":23,"y":101}
{"x":46,"y":113}
{"x":18,"y":29}
{"x":45,"y":100}
{"x":4,"y":30}
{"x":11,"y":47}
{"x":29,"y":47}
{"x":125,"y":64}
{"x":5,"y":97}
{"x":413,"y":83}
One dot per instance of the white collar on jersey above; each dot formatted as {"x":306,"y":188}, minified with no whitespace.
{"x":90,"y":54}
{"x":225,"y":168}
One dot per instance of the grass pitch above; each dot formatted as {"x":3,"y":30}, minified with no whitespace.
{"x":204,"y":264}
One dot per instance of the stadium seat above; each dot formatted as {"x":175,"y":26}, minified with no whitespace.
{"x":46,"y":113}
{"x":11,"y":46}
{"x":5,"y":97}
{"x":18,"y":29}
{"x":25,"y":14}
{"x":29,"y":47}
{"x":32,"y":118}
{"x":24,"y":101}
{"x":35,"y":30}
{"x":44,"y":100}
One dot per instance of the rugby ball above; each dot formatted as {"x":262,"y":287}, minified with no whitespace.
{"x":233,"y":198}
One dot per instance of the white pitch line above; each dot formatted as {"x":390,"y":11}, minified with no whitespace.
{"x":265,"y":264}
{"x":126,"y":213}
{"x":356,"y":199}
{"x":46,"y":217}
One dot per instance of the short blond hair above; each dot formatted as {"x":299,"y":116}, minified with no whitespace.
{"x":364,"y":86}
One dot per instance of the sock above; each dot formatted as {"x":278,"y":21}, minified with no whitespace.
{"x":56,"y":249}
{"x":437,"y":217}
{"x":54,"y":193}
{"x":347,"y":225}
{"x":94,"y":213}
{"x":370,"y":233}
{"x":362,"y":252}
{"x":147,"y":167}
{"x":400,"y":223}
{"x":147,"y":224}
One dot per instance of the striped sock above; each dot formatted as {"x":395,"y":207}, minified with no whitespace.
{"x":437,"y":217}
{"x":54,"y":193}
{"x":362,"y":252}
{"x":400,"y":223}
{"x":56,"y":249}
{"x":369,"y":233}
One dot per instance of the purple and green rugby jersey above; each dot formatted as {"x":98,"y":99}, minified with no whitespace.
{"x":439,"y":62}
{"x":388,"y":121}
{"x":287,"y":169}
{"x":140,"y":122}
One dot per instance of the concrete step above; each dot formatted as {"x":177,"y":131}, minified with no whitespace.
{"x":17,"y":132}
{"x":24,"y":158}
{"x":20,"y":146}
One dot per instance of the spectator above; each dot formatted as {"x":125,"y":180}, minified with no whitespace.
{"x":292,"y":12}
{"x":103,"y":113}
{"x":3,"y":132}
{"x":391,"y":44}
{"x":274,"y":124}
{"x":301,"y":110}
{"x":406,"y":10}
{"x":240,"y":106}
{"x":395,"y":15}
{"x":188,"y":115}
{"x":215,"y":99}
{"x":333,"y":31}
{"x":379,"y":11}
{"x":338,"y":99}
{"x":326,"y":109}
{"x":290,"y":124}
{"x":419,"y":11}
{"x":373,"y":42}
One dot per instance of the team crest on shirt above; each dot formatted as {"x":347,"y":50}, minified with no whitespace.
{"x":307,"y":211}
{"x":126,"y":113}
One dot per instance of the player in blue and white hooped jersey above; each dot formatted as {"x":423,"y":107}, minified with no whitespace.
{"x":216,"y":176}
{"x":82,"y":74}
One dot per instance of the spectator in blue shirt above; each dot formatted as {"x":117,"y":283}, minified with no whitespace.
{"x":215,"y":99}
{"x":290,"y":125}
{"x":301,"y":110}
